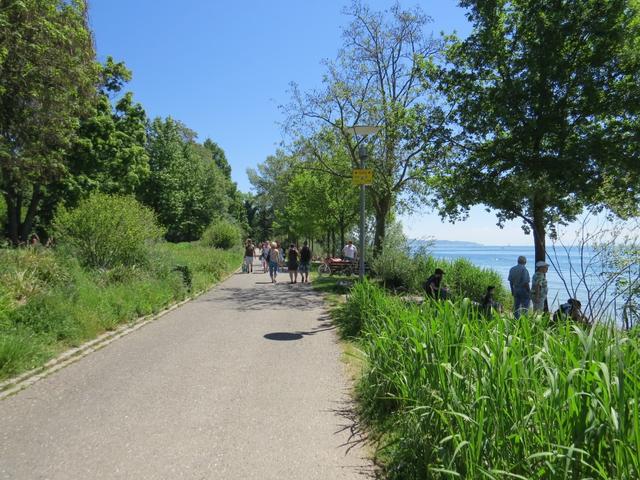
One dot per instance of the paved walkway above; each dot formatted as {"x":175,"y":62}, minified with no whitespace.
{"x":243,"y":383}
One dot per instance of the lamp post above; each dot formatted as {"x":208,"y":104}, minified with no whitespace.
{"x":362,"y":153}
{"x":363,"y":130}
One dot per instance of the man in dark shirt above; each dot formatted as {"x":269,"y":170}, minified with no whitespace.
{"x":305,"y":262}
{"x":433,"y":288}
{"x":248,"y":255}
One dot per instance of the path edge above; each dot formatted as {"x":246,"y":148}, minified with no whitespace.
{"x":16,"y":384}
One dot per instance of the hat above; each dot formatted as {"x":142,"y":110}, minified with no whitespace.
{"x":541,"y":263}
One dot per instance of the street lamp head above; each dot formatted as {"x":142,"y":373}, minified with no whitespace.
{"x":364,"y":130}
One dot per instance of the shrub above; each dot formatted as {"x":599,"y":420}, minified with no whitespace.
{"x":397,"y":268}
{"x":222,"y":234}
{"x":106,"y":231}
{"x":28,"y":272}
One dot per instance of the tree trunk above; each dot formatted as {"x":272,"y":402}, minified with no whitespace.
{"x":31,"y":213}
{"x":382,"y":208}
{"x":13,"y":217}
{"x":539,"y":232}
{"x":342,"y":242}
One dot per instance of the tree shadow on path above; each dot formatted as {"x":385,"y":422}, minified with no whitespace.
{"x":281,"y":297}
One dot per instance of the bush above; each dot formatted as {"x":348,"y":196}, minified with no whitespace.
{"x":222,"y":234}
{"x":106,"y":231}
{"x":398,"y":269}
{"x":28,"y":272}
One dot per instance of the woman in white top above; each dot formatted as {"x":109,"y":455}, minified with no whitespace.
{"x":274,"y":260}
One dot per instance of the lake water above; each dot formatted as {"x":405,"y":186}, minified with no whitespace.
{"x":501,"y":258}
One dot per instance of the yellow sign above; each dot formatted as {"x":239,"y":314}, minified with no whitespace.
{"x":362,"y":176}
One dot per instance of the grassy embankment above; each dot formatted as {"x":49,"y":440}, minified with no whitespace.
{"x":451,"y":394}
{"x":49,"y":302}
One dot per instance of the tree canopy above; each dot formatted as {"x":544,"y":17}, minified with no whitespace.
{"x":47,"y":84}
{"x":546,"y":98}
{"x":375,"y":81}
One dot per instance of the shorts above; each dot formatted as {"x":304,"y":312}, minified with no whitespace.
{"x":303,"y":267}
{"x":273,"y":268}
{"x":248,"y":260}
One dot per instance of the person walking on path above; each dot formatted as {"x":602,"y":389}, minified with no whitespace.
{"x":292,"y":263}
{"x":274,"y":259}
{"x":519,"y":283}
{"x":248,"y":255}
{"x":265,"y":254}
{"x":350,"y":252}
{"x":305,"y":262}
{"x":539,"y":287}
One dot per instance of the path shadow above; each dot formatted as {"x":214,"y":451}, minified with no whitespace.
{"x":299,"y":335}
{"x":280,"y":297}
{"x":283,"y":336}
{"x":357,"y":435}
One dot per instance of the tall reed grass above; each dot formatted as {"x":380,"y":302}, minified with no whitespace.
{"x":455,"y":395}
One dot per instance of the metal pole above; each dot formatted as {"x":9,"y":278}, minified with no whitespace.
{"x":362,"y":154}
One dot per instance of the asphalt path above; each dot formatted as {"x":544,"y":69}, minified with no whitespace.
{"x":244,"y":382}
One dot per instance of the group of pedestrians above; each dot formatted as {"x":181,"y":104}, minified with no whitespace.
{"x":536,"y":294}
{"x":274,"y":257}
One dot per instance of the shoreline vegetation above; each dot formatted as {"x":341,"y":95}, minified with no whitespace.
{"x":446,"y":392}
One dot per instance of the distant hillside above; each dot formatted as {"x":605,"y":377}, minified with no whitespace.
{"x":443,"y":243}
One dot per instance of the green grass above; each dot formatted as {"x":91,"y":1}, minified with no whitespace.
{"x":451,"y":394}
{"x":49,"y":302}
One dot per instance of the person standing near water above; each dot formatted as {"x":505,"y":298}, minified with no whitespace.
{"x":539,"y":287}
{"x":519,"y":283}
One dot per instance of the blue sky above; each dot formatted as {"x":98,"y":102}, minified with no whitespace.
{"x":223,"y":68}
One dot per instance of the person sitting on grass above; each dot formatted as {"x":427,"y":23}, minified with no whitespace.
{"x":433,"y":286}
{"x":573,"y":310}
{"x":489,"y":304}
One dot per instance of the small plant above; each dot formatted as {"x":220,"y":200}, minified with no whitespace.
{"x":106,"y":231}
{"x":187,"y":276}
{"x":222,"y":234}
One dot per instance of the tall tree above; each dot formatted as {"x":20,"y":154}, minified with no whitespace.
{"x":375,"y":81}
{"x":185,"y":186}
{"x":547,"y":96}
{"x":109,"y":153}
{"x":47,"y":83}
{"x":219,"y":157}
{"x":270,"y":181}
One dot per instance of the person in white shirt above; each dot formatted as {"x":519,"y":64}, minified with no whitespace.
{"x":350,"y":252}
